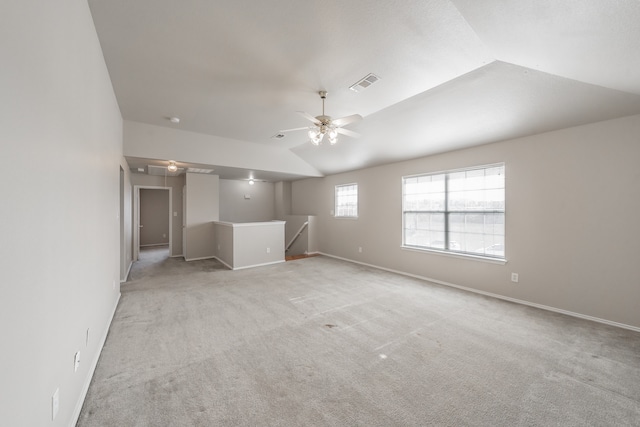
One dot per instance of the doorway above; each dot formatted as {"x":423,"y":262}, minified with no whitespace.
{"x":152,"y":209}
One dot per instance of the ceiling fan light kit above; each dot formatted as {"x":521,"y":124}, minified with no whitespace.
{"x":324,"y":125}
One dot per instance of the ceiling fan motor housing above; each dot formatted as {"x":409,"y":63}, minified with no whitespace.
{"x":325,"y":120}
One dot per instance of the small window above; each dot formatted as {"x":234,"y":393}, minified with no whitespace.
{"x":460,"y":211}
{"x":347,"y":201}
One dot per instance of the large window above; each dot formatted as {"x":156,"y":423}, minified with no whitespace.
{"x":458,"y":211}
{"x":347,"y":201}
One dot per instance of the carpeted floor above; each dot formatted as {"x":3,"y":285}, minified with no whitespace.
{"x":321,"y":342}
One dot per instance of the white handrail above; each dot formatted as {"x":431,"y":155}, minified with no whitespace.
{"x":297,"y":235}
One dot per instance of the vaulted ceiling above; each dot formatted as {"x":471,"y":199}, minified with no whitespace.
{"x":453,"y":73}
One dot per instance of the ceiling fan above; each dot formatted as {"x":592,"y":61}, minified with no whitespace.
{"x":325,"y":125}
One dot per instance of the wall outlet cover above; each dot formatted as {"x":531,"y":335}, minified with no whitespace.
{"x":76,"y":361}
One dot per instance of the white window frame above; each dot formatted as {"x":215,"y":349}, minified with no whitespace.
{"x":340,"y":211}
{"x":447,"y":212}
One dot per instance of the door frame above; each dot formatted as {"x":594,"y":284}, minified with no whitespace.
{"x":136,"y":217}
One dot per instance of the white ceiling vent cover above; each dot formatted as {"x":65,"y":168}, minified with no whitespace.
{"x":364,"y":83}
{"x":199,"y":170}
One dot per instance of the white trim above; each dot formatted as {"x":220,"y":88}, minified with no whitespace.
{"x":455,"y":255}
{"x":224,"y":263}
{"x":176,"y":256}
{"x":92,"y":368}
{"x":201,"y":258}
{"x":126,"y":276}
{"x":498,"y":296}
{"x":258,"y":265}
{"x":462,"y":169}
{"x":248,"y":224}
{"x":154,"y":244}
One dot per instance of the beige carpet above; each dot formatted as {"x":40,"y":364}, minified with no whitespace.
{"x":321,"y":342}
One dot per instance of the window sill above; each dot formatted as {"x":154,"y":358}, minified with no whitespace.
{"x":491,"y":260}
{"x":345,"y":217}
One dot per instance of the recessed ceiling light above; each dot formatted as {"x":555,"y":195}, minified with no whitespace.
{"x":175,"y":120}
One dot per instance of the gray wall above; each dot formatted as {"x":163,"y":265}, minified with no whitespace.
{"x":250,"y":244}
{"x":235,"y":208}
{"x":224,"y":243}
{"x":282,"y":199}
{"x":61,"y":134}
{"x":176,"y":183}
{"x":572,"y":226}
{"x":154,"y":217}
{"x":202,"y":209}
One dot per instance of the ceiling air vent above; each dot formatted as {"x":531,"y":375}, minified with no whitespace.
{"x":199,"y":170}
{"x":364,"y":83}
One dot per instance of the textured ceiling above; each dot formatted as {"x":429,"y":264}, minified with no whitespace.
{"x":453,"y":73}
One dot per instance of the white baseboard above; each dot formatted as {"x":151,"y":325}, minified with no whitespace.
{"x":92,"y":368}
{"x":224,"y":263}
{"x":247,"y":266}
{"x":257,"y":265}
{"x":154,"y":244}
{"x":126,"y":276}
{"x":198,"y":259}
{"x":490,"y":294}
{"x":176,"y":256}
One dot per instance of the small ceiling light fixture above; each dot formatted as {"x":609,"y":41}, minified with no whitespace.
{"x":251,"y":182}
{"x":172,"y":166}
{"x":174,"y":120}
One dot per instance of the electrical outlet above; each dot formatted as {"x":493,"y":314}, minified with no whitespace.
{"x":164,"y":236}
{"x":268,"y":250}
{"x":514,"y":277}
{"x":86,"y":343}
{"x":55,"y":404}
{"x":360,"y":249}
{"x":76,"y":361}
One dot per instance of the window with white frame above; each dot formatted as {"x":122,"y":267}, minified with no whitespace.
{"x":461,"y":211}
{"x":346,"y":201}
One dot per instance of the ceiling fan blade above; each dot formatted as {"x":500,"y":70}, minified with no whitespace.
{"x":348,"y":132}
{"x":309,"y":117}
{"x":291,"y":130}
{"x":346,"y":120}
